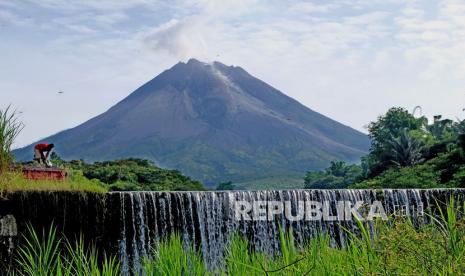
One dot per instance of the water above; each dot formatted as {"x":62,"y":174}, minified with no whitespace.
{"x":207,"y":219}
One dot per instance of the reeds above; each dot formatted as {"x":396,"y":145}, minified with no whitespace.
{"x":49,"y":255}
{"x":10,"y":127}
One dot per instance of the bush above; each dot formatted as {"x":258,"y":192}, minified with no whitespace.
{"x":135,"y":175}
{"x":338,"y":175}
{"x":458,"y":179}
{"x":420,"y":176}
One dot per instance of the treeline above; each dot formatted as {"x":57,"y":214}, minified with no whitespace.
{"x":406,"y":152}
{"x":131,"y":175}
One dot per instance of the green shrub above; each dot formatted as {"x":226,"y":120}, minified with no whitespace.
{"x":338,"y":175}
{"x":420,"y":176}
{"x":136,"y":175}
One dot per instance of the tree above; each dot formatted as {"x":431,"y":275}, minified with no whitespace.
{"x":337,"y":168}
{"x":405,"y":150}
{"x":10,"y":127}
{"x":384,"y":132}
{"x":136,"y":174}
{"x":393,"y":124}
{"x":420,"y":176}
{"x":442,"y":129}
{"x":225,"y":186}
{"x":459,"y":130}
{"x":338,"y":175}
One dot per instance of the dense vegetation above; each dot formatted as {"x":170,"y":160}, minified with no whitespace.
{"x":398,"y":248}
{"x":406,"y":152}
{"x":132,"y":175}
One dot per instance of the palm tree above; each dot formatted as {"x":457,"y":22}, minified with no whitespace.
{"x":405,"y":150}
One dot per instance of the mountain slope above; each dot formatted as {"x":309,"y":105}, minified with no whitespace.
{"x":215,"y":123}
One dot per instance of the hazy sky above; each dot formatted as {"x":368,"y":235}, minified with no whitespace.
{"x":348,"y":59}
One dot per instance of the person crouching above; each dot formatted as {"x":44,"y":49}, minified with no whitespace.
{"x":42,"y":152}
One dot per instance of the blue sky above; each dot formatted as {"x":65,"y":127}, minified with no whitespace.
{"x":348,"y":59}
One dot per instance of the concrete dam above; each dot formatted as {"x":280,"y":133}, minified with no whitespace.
{"x":128,"y":224}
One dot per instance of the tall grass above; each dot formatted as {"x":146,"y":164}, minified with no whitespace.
{"x":10,"y":127}
{"x":398,"y":248}
{"x":173,"y":258}
{"x":14,"y":181}
{"x":46,"y":254}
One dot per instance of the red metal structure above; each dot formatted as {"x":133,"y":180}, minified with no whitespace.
{"x":37,"y":173}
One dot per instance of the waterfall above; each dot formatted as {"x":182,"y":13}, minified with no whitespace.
{"x":208,"y":219}
{"x":131,"y":223}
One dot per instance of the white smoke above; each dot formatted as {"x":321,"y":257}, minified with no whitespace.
{"x":182,"y":39}
{"x":200,"y":35}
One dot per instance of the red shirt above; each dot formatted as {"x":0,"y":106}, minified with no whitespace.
{"x":42,"y":147}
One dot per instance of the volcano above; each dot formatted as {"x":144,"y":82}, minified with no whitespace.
{"x":215,"y":123}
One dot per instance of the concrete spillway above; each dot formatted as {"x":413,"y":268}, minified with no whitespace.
{"x":129,"y":223}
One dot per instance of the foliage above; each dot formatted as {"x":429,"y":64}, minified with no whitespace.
{"x":458,"y":179}
{"x":386,"y":133}
{"x":132,"y":175}
{"x":338,"y":175}
{"x":10,"y":127}
{"x":442,"y":129}
{"x":172,"y":257}
{"x":138,"y":174}
{"x":226,"y":186}
{"x":446,"y":170}
{"x":392,"y":124}
{"x":397,"y":248}
{"x":406,"y":152}
{"x":49,"y":255}
{"x":422,"y":176}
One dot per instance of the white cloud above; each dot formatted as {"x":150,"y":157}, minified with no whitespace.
{"x":9,"y":17}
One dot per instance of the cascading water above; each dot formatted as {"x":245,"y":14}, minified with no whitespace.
{"x":208,"y":219}
{"x":130,"y":223}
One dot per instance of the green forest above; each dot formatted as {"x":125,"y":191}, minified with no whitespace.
{"x":406,"y":152}
{"x":131,"y":175}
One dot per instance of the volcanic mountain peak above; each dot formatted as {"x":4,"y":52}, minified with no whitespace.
{"x":213,"y":122}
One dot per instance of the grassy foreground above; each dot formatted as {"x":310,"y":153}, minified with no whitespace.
{"x":14,"y":181}
{"x":398,"y":249}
